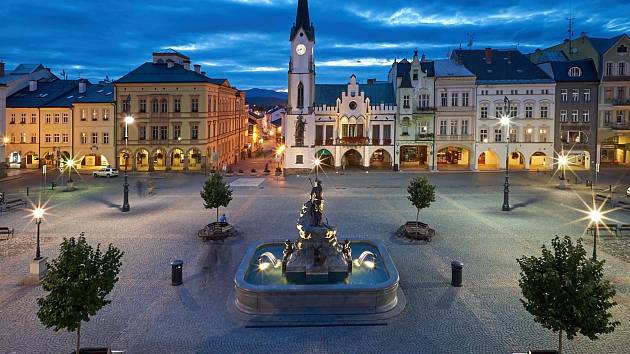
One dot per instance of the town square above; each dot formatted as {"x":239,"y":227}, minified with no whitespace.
{"x":419,"y":181}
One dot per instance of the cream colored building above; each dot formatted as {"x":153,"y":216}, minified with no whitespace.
{"x":183,"y":120}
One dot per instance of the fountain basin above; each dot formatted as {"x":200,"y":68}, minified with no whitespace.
{"x":370,"y":289}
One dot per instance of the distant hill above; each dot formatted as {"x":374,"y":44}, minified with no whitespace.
{"x":265,"y":98}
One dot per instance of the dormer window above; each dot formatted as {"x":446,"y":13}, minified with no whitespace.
{"x":622,"y":49}
{"x":575,"y":72}
{"x":415,"y":74}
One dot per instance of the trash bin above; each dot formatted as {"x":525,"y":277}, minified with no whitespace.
{"x":176,"y":272}
{"x":456,"y":273}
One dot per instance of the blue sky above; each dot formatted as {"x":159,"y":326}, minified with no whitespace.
{"x":246,"y":41}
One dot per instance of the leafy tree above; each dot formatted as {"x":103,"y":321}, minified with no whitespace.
{"x":421,"y":193}
{"x":565,"y":291}
{"x":77,"y":283}
{"x":216,"y":193}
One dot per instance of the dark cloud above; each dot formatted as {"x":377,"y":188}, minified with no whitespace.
{"x":247,"y":40}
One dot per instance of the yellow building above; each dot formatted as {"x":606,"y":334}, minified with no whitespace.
{"x":183,"y":120}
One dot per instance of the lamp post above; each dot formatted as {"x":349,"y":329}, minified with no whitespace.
{"x":563,"y":161}
{"x":505,"y":120}
{"x":38,"y":214}
{"x":596,"y":217}
{"x":317,"y":163}
{"x":125,"y":206}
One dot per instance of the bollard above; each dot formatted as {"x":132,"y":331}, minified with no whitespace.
{"x":456,"y":273}
{"x":52,"y":185}
{"x":176,"y":272}
{"x":27,"y":191}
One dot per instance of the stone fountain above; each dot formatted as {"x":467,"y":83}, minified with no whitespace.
{"x":315,"y":274}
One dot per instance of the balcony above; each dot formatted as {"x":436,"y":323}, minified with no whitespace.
{"x":321,"y":142}
{"x":383,"y":142}
{"x":620,"y":102}
{"x":618,"y":126}
{"x":353,"y":140}
{"x":458,"y":137}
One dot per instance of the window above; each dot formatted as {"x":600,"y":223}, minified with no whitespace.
{"x":194,"y":131}
{"x":528,"y":135}
{"x":83,"y":138}
{"x":424,"y":127}
{"x":444,"y":99}
{"x":465,"y":99}
{"x":33,"y":138}
{"x":609,"y":69}
{"x":23,"y":138}
{"x":574,"y":116}
{"x":299,"y":159}
{"x":575,"y":72}
{"x":498,"y":111}
{"x":575,"y":95}
{"x":154,"y":133}
{"x":23,"y":118}
{"x":164,"y":105}
{"x":484,"y":112}
{"x":622,"y":49}
{"x":56,"y":138}
{"x":529,"y":111}
{"x":513,"y":92}
{"x":453,"y":127}
{"x":513,"y":111}
{"x":387,"y":131}
{"x":619,"y":116}
{"x":154,"y":105}
{"x":607,"y":116}
{"x":621,"y":92}
{"x":608,"y":94}
{"x":84,"y":114}
{"x":65,"y":118}
{"x":564,"y":95}
{"x":300,"y":95}
{"x":621,"y":69}
{"x":142,"y":132}
{"x":405,"y":101}
{"x":65,"y":137}
{"x":142,"y":105}
{"x":454,"y":99}
{"x":194,"y":104}
{"x":543,"y":135}
{"x":587,"y":95}
{"x":48,"y":138}
{"x":464,"y":127}
{"x":177,"y":132}
{"x":48,"y":118}
{"x":415,"y":74}
{"x":498,"y":135}
{"x":13,"y":119}
{"x":94,"y":114}
{"x":177,"y":104}
{"x":424,"y":100}
{"x":57,"y":119}
{"x":94,"y":138}
{"x":512,"y":136}
{"x":164,"y":132}
{"x":105,"y":138}
{"x":563,"y":116}
{"x":544,"y":112}
{"x":586,"y":116}
{"x":34,"y":118}
{"x":443,"y":125}
{"x":105,"y":114}
{"x":126,"y":106}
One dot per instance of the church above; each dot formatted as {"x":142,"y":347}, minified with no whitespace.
{"x":343,"y":125}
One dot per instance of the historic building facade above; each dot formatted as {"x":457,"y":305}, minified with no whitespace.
{"x":530,"y":92}
{"x":344,"y":125}
{"x":183,"y":120}
{"x":454,"y":116}
{"x":414,"y":86}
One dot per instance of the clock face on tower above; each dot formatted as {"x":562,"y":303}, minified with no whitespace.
{"x":300,"y":49}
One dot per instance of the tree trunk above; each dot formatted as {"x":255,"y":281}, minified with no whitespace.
{"x":79,"y":339}
{"x":417,"y":214}
{"x":217,"y":214}
{"x":560,"y":342}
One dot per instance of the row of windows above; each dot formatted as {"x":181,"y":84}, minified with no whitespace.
{"x":455,"y":128}
{"x":611,"y":93}
{"x":94,"y":138}
{"x":619,"y":116}
{"x":64,"y":118}
{"x":513,"y":92}
{"x":618,"y":69}
{"x":575,"y":95}
{"x":586,"y":116}
{"x":215,"y":104}
{"x":161,"y":132}
{"x":94,"y":114}
{"x":528,"y":135}
{"x":455,"y":101}
{"x":513,"y":111}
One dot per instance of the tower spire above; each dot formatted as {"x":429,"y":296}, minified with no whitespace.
{"x":303,"y":21}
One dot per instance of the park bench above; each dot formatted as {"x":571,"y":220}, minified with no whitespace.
{"x":622,"y":227}
{"x":4,"y":230}
{"x":216,"y":231}
{"x":623,"y":205}
{"x":611,"y":230}
{"x":13,"y":204}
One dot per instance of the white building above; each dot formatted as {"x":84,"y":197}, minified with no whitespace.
{"x":509,"y":74}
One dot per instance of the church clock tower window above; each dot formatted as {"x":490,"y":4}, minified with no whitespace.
{"x":300,"y":95}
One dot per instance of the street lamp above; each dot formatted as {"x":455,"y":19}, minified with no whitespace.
{"x":505,"y":121}
{"x":596,"y":217}
{"x":125,"y":206}
{"x":38,"y":214}
{"x":563,"y":162}
{"x":317,"y":162}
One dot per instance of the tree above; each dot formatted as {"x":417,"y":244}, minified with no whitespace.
{"x":216,"y":193}
{"x":565,"y":291}
{"x":77,"y":283}
{"x":421,"y":193}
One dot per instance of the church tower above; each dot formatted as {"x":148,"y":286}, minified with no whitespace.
{"x":302,"y":63}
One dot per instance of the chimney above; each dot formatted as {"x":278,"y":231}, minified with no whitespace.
{"x":170,"y":63}
{"x":509,"y":57}
{"x":1,"y":69}
{"x":187,"y":64}
{"x":32,"y":85}
{"x":488,"y":56}
{"x":197,"y":68}
{"x":203,"y":73}
{"x":371,"y":81}
{"x":82,"y":85}
{"x":424,"y":57}
{"x":460,"y":59}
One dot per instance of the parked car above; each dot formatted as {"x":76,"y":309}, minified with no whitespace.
{"x":106,"y":172}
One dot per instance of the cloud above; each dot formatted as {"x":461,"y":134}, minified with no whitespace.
{"x":359,"y":62}
{"x":388,"y":45}
{"x":261,"y":2}
{"x":219,"y":41}
{"x":258,"y":69}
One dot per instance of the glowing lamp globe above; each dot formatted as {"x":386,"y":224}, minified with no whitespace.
{"x":129,"y":119}
{"x":505,"y":120}
{"x":38,"y":213}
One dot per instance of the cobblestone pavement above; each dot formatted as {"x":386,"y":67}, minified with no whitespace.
{"x":148,"y":315}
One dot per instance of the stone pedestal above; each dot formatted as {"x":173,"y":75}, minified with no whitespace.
{"x":562,"y":184}
{"x":38,"y":270}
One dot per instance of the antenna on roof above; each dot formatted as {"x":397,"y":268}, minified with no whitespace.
{"x":570,"y":29}
{"x":471,"y":38}
{"x":63,"y":74}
